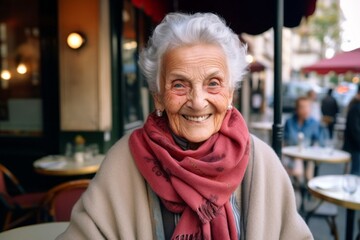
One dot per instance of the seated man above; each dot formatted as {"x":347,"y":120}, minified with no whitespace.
{"x":301,"y":122}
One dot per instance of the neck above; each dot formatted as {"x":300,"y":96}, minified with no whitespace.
{"x":185,"y":144}
{"x":301,"y":121}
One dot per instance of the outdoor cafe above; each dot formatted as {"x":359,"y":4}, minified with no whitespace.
{"x":77,"y":98}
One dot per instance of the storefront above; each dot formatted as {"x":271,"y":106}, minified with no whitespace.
{"x":50,"y":93}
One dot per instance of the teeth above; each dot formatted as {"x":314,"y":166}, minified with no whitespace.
{"x":196,"y":119}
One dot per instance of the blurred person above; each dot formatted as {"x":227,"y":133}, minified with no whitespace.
{"x":315,"y":111}
{"x":192,"y":171}
{"x":329,"y":110}
{"x":301,"y":122}
{"x":353,"y":101}
{"x":352,"y":133}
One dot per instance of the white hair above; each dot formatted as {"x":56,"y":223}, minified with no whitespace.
{"x":179,"y":29}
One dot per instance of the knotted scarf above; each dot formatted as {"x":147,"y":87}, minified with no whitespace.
{"x":197,"y":183}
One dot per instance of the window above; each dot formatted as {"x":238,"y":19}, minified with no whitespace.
{"x":20,"y":88}
{"x":130,"y":68}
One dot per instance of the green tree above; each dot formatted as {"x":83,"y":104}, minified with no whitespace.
{"x":324,"y":25}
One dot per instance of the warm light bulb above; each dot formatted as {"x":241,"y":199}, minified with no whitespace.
{"x":5,"y":74}
{"x":21,"y":68}
{"x":130,"y":45}
{"x":75,"y":40}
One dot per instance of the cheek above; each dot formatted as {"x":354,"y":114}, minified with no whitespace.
{"x":173,"y":102}
{"x":221,"y":101}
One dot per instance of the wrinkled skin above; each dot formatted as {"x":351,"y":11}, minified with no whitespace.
{"x":195,"y":91}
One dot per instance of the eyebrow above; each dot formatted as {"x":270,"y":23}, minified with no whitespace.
{"x":185,"y":76}
{"x":215,"y":73}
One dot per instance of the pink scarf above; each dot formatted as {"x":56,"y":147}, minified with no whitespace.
{"x":197,"y":183}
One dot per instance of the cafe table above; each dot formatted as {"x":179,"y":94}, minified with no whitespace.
{"x":317,"y":155}
{"x":261,"y":125}
{"x":44,"y":231}
{"x":264,"y":127}
{"x":59,"y":165}
{"x":329,"y":188}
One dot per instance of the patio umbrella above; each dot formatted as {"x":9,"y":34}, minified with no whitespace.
{"x":250,"y":16}
{"x":256,"y":66}
{"x":340,"y":63}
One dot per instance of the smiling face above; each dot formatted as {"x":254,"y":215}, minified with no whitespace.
{"x":195,"y":90}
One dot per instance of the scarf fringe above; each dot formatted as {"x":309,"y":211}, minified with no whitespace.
{"x":207,"y":212}
{"x":194,"y":236}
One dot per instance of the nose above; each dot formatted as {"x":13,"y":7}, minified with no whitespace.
{"x":197,"y":99}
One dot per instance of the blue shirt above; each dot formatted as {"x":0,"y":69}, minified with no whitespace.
{"x":310,"y":129}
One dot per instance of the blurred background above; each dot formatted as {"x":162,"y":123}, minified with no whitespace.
{"x":69,"y":68}
{"x":51,"y":91}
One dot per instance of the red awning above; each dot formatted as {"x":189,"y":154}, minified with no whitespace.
{"x":156,"y":9}
{"x":256,"y":66}
{"x":340,"y":63}
{"x":243,"y":16}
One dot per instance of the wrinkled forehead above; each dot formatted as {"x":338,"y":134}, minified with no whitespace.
{"x":201,"y":57}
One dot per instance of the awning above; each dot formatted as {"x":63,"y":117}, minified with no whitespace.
{"x":251,"y":16}
{"x":243,"y":16}
{"x":340,"y":63}
{"x":256,"y":66}
{"x":156,"y":9}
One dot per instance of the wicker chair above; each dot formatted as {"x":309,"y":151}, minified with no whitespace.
{"x":59,"y":201}
{"x":19,"y":207}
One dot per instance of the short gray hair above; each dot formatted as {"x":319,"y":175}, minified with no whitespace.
{"x":179,"y":29}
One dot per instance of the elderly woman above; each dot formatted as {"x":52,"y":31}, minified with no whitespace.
{"x":193,"y":171}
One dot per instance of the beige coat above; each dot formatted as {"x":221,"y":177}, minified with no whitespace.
{"x":119,"y":205}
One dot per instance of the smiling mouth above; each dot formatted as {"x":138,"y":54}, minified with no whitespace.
{"x":196,"y":118}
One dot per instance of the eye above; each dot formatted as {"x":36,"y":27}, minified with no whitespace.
{"x":178,"y":85}
{"x":213,"y":84}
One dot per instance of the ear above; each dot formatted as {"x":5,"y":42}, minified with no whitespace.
{"x":231,"y":97}
{"x":158,"y":102}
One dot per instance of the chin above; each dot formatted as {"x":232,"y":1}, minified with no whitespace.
{"x":198,"y":138}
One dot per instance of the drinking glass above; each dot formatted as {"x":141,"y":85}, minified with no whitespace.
{"x":350,"y":183}
{"x":324,"y":137}
{"x":68,"y":150}
{"x":94,"y":149}
{"x":307,"y":142}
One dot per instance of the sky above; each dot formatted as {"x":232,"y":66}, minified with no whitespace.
{"x":351,"y":24}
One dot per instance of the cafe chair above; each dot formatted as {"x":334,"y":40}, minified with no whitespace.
{"x":328,"y":211}
{"x":18,"y":207}
{"x":59,"y":201}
